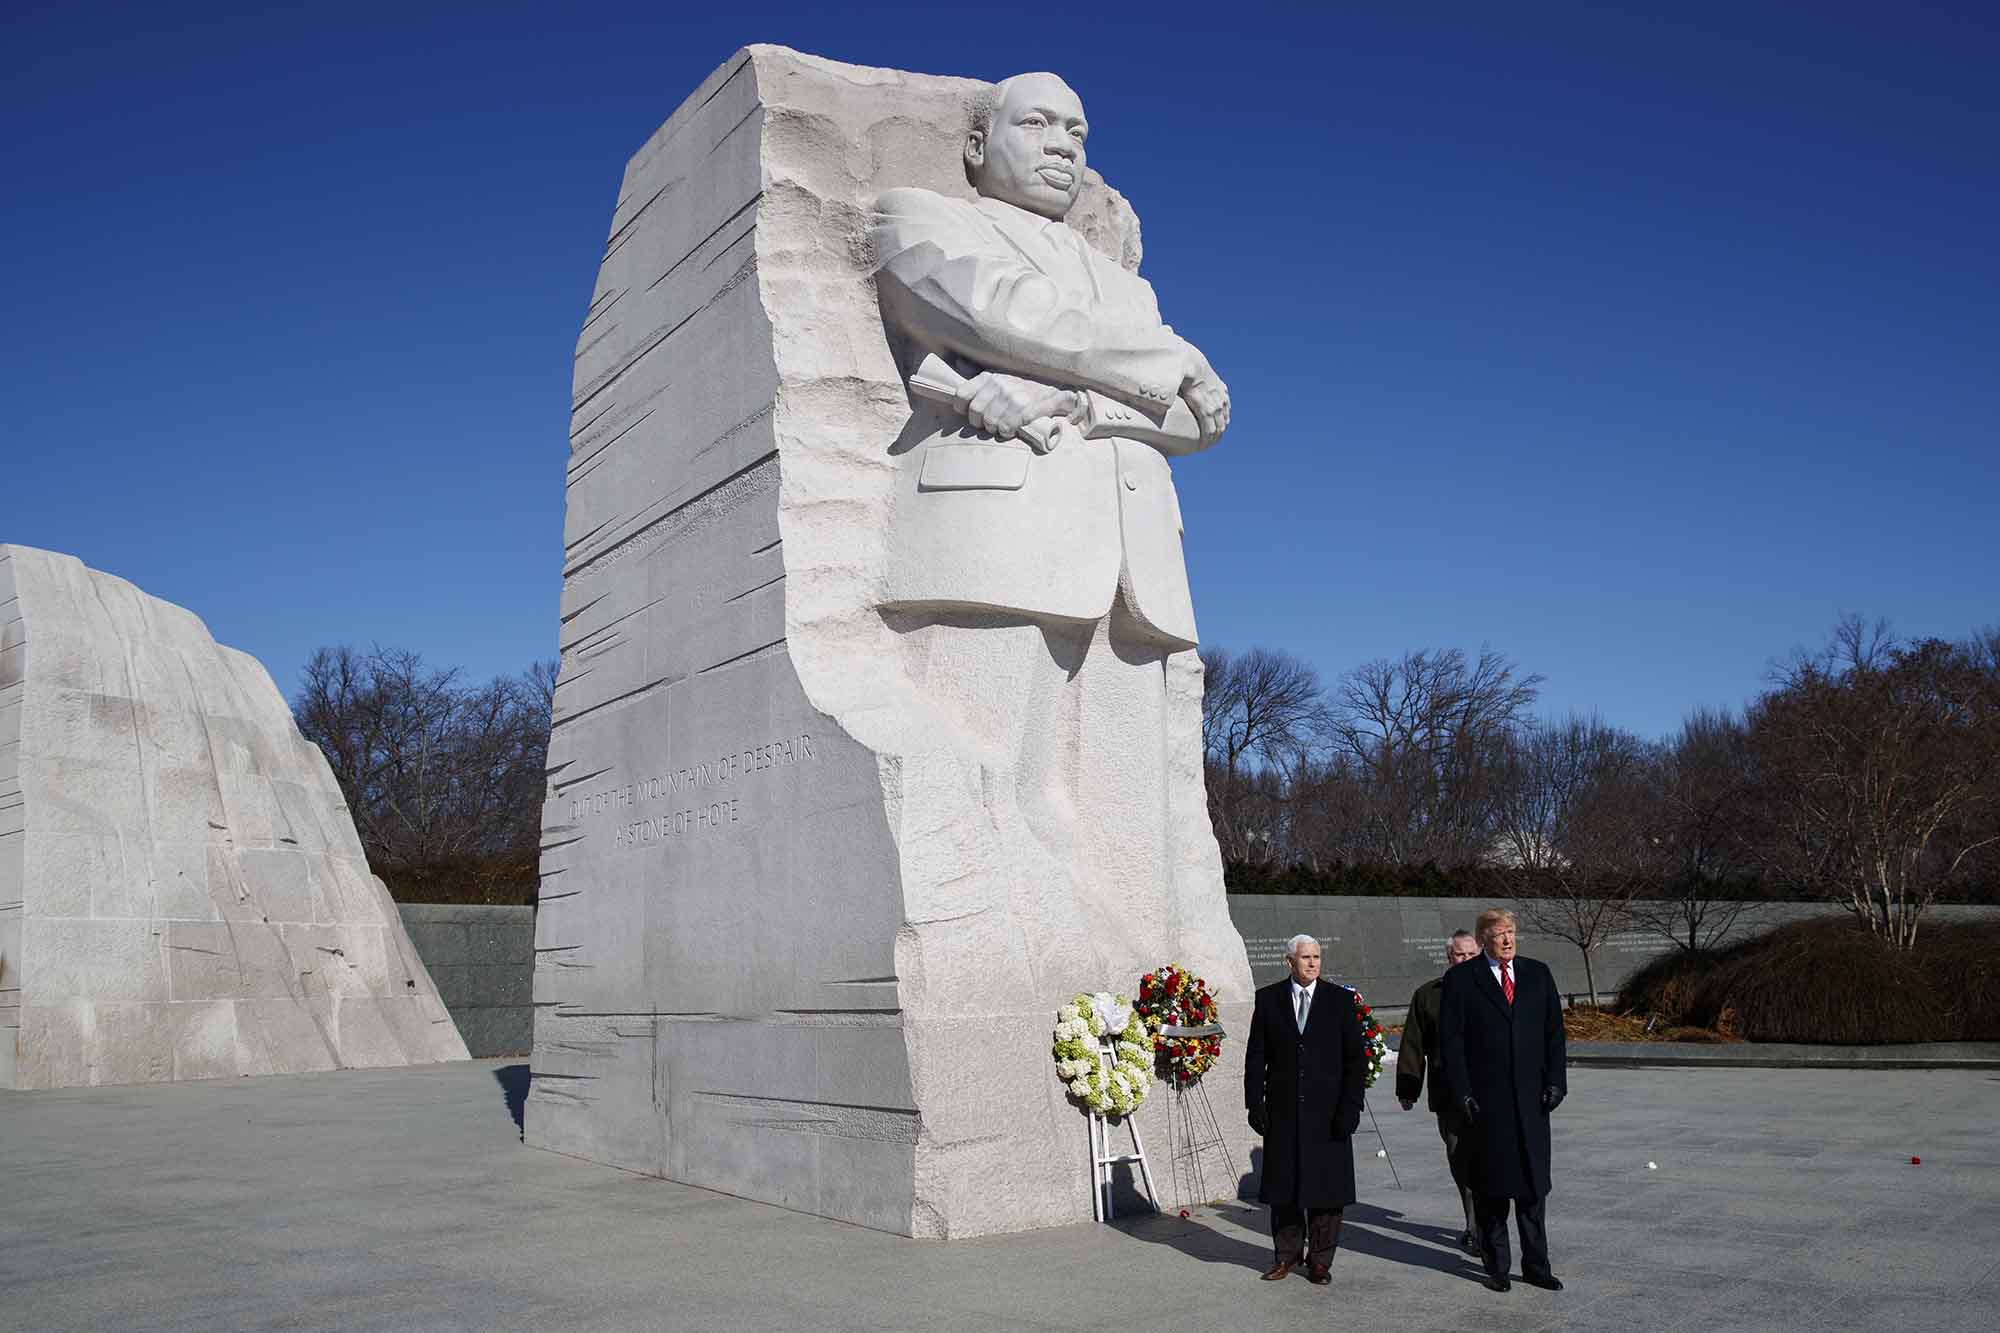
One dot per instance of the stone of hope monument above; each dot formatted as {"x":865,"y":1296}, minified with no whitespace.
{"x":878,"y":731}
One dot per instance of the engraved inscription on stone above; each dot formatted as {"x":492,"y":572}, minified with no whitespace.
{"x":1269,"y":950}
{"x":711,"y":815}
{"x":1432,"y":947}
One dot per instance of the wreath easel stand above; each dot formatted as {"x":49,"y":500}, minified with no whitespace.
{"x":1192,"y":1128}
{"x":1103,"y":1161}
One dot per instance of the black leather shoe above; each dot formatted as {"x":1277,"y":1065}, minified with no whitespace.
{"x":1498,"y":1284}
{"x":1468,"y":1242}
{"x":1546,"y":1281}
{"x":1319,"y":1275}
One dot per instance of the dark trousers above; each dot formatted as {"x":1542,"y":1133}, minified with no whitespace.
{"x":1289,"y":1224}
{"x":1491,"y":1210}
{"x":1458,"y":1154}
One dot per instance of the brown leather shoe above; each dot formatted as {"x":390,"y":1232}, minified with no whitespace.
{"x":1319,"y":1275}
{"x":1281,"y":1270}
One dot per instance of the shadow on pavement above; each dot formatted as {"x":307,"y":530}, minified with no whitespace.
{"x":1359,"y":1236}
{"x":513,"y":1081}
{"x":1206,"y":1235}
{"x":1390,"y":1220}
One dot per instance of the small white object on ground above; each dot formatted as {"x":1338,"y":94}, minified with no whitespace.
{"x":1652,"y":1166}
{"x":1381,"y":1152}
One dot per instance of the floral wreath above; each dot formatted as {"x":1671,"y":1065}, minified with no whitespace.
{"x":1373,"y":1043}
{"x":1172,"y":996}
{"x":1079,"y":1026}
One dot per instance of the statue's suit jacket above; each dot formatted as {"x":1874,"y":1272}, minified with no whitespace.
{"x":988,"y":524}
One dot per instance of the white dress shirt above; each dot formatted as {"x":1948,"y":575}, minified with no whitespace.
{"x":1307,"y":992}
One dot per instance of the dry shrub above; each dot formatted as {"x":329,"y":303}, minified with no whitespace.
{"x":1665,"y":987}
{"x":1827,"y":981}
{"x":1963,"y":964}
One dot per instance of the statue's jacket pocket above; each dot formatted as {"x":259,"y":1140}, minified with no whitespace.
{"x":972,"y":465}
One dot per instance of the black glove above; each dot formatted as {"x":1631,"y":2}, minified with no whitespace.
{"x":1471,"y":1109}
{"x":1258,"y":1122}
{"x":1551,"y":1099}
{"x":1344,"y":1129}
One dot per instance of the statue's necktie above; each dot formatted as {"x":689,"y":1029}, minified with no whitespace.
{"x":1507,"y":982}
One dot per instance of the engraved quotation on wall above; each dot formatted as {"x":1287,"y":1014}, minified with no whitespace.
{"x":1269,"y":950}
{"x":715,"y":784}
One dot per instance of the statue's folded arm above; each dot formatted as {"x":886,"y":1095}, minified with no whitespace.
{"x":941,"y":283}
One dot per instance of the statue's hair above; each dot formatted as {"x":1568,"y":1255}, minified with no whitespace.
{"x":1490,"y":918}
{"x":1292,"y":945}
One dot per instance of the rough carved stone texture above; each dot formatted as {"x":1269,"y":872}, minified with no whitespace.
{"x":182,"y":894}
{"x":799,"y":940}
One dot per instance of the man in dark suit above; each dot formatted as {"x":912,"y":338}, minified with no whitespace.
{"x":1302,"y":1082}
{"x":1421,"y":1058}
{"x":1501,"y":1027}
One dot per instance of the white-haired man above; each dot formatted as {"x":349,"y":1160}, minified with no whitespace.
{"x":1303,"y":1069}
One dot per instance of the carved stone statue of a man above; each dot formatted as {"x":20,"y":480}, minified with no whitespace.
{"x":1034,"y":565}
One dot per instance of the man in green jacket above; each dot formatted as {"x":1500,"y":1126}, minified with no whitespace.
{"x":1421,"y":1055}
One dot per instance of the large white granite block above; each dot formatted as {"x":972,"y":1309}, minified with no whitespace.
{"x":182,"y":894}
{"x":823,"y":855}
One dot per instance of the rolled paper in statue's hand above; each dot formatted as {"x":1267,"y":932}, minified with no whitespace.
{"x":1173,"y":432}
{"x":935,"y":381}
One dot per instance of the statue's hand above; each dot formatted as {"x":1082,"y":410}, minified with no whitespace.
{"x":1206,"y":395}
{"x":1001,"y":404}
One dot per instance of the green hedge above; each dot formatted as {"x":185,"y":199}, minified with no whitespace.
{"x":1434,"y":881}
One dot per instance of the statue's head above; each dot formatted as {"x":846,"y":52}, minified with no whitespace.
{"x":1026,"y":144}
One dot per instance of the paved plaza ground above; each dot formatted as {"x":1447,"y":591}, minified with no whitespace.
{"x":403,"y":1199}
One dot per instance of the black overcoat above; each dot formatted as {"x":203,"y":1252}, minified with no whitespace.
{"x":1309,"y":1088}
{"x":1502,"y":1056}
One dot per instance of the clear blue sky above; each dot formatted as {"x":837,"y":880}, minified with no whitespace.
{"x":1640,"y":349}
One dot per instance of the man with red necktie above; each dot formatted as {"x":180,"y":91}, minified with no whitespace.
{"x":1501,"y":1028}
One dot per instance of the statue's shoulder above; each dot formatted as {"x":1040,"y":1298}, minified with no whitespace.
{"x":913,"y":201}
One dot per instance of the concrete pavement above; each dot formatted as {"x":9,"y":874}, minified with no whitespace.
{"x":403,"y":1199}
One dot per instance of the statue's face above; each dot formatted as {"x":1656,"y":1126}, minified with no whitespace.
{"x":1033,"y":155}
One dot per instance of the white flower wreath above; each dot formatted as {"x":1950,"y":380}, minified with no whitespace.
{"x":1079,"y":1025}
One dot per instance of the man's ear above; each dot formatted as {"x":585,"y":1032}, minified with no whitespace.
{"x":975,"y":148}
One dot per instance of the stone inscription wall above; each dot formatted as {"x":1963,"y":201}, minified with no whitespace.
{"x":1387,"y":947}
{"x":716,"y":784}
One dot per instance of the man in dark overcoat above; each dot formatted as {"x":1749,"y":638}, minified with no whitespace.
{"x":1420,"y":1062}
{"x":1302,"y":1081}
{"x":1501,"y":1027}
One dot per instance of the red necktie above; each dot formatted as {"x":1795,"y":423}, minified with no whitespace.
{"x":1507,"y":982}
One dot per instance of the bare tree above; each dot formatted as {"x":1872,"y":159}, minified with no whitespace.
{"x":442,"y":778}
{"x":1575,"y":813}
{"x":1880,"y":765}
{"x":1429,"y":735}
{"x":1702,"y":790}
{"x":1261,"y":715}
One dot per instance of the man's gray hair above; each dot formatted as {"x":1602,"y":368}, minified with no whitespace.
{"x":1463,"y":934}
{"x":1292,"y":944}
